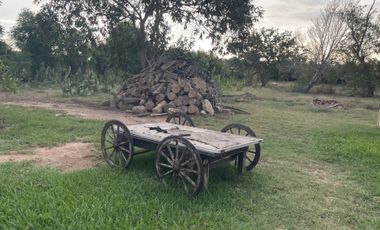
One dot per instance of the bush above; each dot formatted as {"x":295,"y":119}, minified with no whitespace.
{"x":323,"y":89}
{"x":7,"y":81}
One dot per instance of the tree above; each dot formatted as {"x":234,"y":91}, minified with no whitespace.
{"x":324,"y":40}
{"x":362,"y":39}
{"x":38,"y":35}
{"x":267,"y":53}
{"x":213,"y":18}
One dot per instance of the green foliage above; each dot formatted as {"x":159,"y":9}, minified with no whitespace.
{"x":80,"y":84}
{"x":268,"y":53}
{"x":214,"y":19}
{"x":7,"y":81}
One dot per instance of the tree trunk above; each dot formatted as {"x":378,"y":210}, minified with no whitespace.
{"x":370,"y":85}
{"x":315,"y":78}
{"x":311,"y":83}
{"x":378,"y":120}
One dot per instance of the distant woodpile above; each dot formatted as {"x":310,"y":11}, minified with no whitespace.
{"x":169,"y":85}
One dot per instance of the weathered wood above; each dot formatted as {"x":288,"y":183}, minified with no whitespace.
{"x":171,"y":96}
{"x":168,"y":106}
{"x":193,"y":110}
{"x":175,"y":88}
{"x":193,"y":93}
{"x":159,"y":97}
{"x":203,"y":140}
{"x":378,"y":120}
{"x":160,"y":107}
{"x":184,"y":109}
{"x":206,"y":105}
{"x":178,"y":101}
{"x":139,"y":109}
{"x":149,"y":105}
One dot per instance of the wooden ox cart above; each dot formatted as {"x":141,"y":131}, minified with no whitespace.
{"x":183,"y":152}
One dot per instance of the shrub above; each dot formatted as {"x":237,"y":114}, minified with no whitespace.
{"x":7,"y":80}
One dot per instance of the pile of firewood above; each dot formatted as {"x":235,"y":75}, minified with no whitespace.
{"x":327,"y":103}
{"x":170,"y":85}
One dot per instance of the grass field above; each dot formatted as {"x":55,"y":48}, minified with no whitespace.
{"x":320,"y":168}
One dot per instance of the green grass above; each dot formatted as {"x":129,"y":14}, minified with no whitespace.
{"x":319,"y":169}
{"x":27,"y":128}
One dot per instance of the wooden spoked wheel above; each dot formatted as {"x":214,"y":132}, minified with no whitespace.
{"x":253,"y":153}
{"x":116,"y":144}
{"x":180,"y":119}
{"x":178,"y":163}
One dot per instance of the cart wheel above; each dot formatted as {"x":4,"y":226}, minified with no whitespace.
{"x":178,"y":162}
{"x":116,"y":144}
{"x":180,"y":119}
{"x":253,"y":154}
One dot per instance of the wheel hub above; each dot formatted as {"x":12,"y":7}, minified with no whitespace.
{"x":176,"y":166}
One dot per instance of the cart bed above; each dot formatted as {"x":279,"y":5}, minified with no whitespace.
{"x":206,"y":141}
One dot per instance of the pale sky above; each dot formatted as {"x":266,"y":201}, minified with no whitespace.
{"x":294,"y":15}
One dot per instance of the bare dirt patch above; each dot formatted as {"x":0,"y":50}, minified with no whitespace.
{"x":68,"y":157}
{"x":83,"y":108}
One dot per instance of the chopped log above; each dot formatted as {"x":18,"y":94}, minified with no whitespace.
{"x":169,"y":106}
{"x":131,"y":100}
{"x":149,"y":105}
{"x":159,"y":97}
{"x":178,"y":101}
{"x":181,"y":82}
{"x":174,"y":110}
{"x":193,"y":93}
{"x":139,"y":109}
{"x":187,"y":87}
{"x":185,"y":100}
{"x":184,"y":109}
{"x":193,"y":110}
{"x":207,"y":106}
{"x":175,"y":88}
{"x":171,"y":96}
{"x":160,"y":107}
{"x":158,"y":114}
{"x":200,"y":84}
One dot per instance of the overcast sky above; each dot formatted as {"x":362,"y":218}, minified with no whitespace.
{"x":292,"y":15}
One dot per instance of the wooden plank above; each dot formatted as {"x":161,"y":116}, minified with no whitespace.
{"x":203,"y":140}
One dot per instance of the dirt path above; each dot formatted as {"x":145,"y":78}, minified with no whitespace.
{"x":69,"y":157}
{"x":72,"y":156}
{"x":85,"y":109}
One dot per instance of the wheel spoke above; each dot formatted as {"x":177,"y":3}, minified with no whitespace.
{"x":110,"y":156}
{"x":124,"y":157}
{"x":189,"y":170}
{"x":187,"y":162}
{"x":167,"y":173}
{"x":188,"y":178}
{"x":231,"y":131}
{"x":166,"y":157}
{"x":113,"y":132}
{"x":184,"y":183}
{"x":126,"y":150}
{"x":109,"y":148}
{"x":165,"y":165}
{"x":110,"y":135}
{"x":249,"y":159}
{"x":110,"y":142}
{"x":170,"y":152}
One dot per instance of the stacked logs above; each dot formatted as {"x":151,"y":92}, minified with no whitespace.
{"x":168,"y":86}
